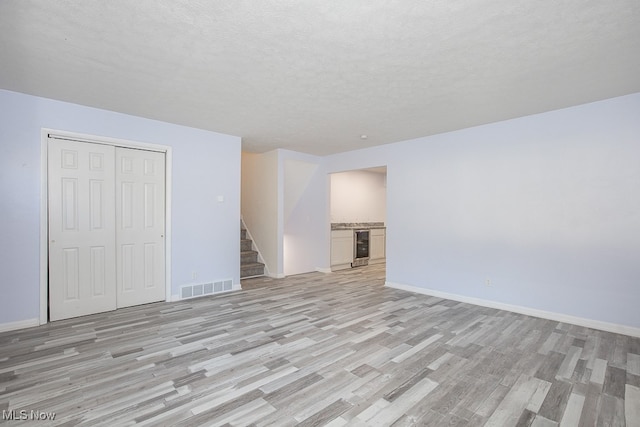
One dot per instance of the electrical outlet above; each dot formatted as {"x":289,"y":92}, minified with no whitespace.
{"x":487,"y":282}
{"x":194,"y":275}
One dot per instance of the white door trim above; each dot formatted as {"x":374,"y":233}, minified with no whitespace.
{"x":44,"y":206}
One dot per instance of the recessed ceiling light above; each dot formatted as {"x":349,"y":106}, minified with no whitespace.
{"x":363,"y":136}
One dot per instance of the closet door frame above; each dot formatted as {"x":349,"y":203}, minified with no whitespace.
{"x":44,"y":204}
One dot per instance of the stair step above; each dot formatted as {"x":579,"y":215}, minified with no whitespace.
{"x":246,"y":245}
{"x":248,"y":257}
{"x":249,"y":265}
{"x":252,"y":269}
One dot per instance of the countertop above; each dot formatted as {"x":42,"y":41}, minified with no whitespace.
{"x":356,"y":225}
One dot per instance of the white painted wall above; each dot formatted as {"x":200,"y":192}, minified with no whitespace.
{"x":303,"y":178}
{"x":546,"y":206}
{"x":205,"y":165}
{"x":358,"y":196}
{"x":281,"y":211}
{"x":262,"y":206}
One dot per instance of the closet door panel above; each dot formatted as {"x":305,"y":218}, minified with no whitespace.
{"x":81,"y":192}
{"x":140,"y":224}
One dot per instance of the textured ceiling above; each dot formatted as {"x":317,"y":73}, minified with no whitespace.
{"x":312,"y":76}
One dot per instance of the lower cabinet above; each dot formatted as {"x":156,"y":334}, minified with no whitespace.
{"x":341,"y":248}
{"x":377,"y":244}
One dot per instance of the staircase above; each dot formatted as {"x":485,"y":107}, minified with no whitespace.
{"x":249,"y":265}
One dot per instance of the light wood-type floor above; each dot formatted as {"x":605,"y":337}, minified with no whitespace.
{"x":320,"y":349}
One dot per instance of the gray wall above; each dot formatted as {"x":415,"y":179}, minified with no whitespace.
{"x":205,"y":165}
{"x":546,"y":206}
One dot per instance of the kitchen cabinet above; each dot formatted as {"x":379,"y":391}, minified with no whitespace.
{"x":377,"y":242}
{"x":341,"y":249}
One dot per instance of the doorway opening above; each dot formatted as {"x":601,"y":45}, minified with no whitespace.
{"x":358,"y":205}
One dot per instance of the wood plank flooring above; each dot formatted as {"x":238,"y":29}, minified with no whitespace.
{"x":319,"y":349}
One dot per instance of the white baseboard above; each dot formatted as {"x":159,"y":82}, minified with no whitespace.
{"x":276,"y":276}
{"x":549,"y":315}
{"x":21,"y":324}
{"x":236,"y":287}
{"x":339,"y":267}
{"x":323,"y":270}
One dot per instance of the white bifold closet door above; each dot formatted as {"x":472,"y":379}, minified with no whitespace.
{"x":82,"y":229}
{"x":106,"y":227}
{"x":140,"y":226}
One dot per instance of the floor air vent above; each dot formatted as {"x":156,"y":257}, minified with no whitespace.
{"x":201,"y":289}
